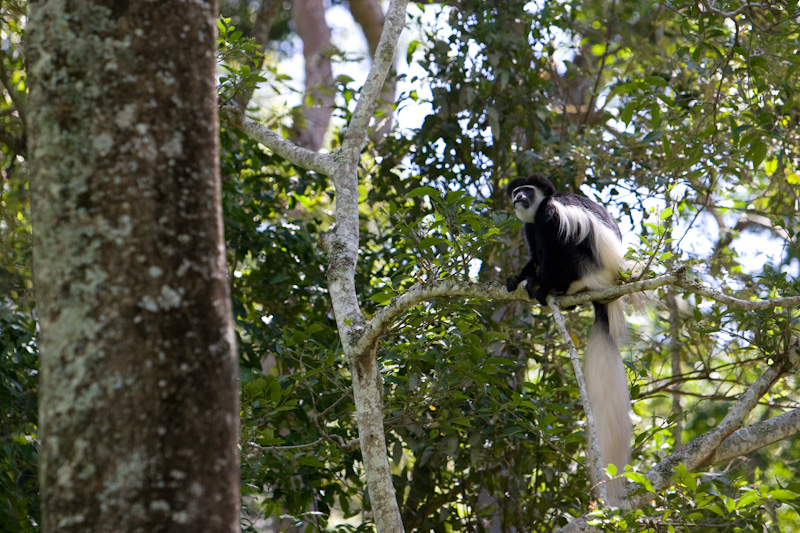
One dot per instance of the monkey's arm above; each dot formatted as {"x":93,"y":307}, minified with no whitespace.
{"x":529,"y":273}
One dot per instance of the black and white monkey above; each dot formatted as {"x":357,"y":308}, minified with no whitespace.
{"x":575,"y":244}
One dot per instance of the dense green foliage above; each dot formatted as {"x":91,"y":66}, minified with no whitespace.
{"x":19,"y":504}
{"x":682,"y":120}
{"x":665,"y":114}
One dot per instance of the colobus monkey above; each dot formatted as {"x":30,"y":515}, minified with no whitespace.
{"x":575,"y":244}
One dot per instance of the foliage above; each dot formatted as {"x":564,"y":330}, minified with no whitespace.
{"x":679,"y":116}
{"x":658,"y":110}
{"x":19,"y":502}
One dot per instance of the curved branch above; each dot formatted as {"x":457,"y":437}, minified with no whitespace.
{"x":297,"y":155}
{"x":730,"y":301}
{"x":730,"y":14}
{"x":385,"y":317}
{"x":736,"y":444}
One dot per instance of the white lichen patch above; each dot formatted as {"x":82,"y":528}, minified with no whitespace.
{"x":128,"y":477}
{"x":125,"y":117}
{"x":170,"y":298}
{"x":160,"y":506}
{"x":174,"y":147}
{"x":185,"y":266}
{"x":144,"y":145}
{"x":166,"y":77}
{"x":103,"y":143}
{"x":196,"y":489}
{"x":64,"y":476}
{"x":149,"y":304}
{"x":155,"y":272}
{"x":71,"y":520}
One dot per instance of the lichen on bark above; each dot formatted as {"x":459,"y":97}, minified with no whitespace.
{"x":139,"y":402}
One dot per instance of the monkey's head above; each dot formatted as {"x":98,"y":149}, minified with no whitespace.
{"x":527,"y":194}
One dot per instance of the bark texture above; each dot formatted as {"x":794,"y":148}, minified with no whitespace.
{"x":139,"y":393}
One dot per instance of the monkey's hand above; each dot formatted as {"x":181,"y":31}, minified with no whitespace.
{"x":512,"y":283}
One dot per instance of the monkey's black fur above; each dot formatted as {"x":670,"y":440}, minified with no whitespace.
{"x":574,"y":245}
{"x":558,"y":257}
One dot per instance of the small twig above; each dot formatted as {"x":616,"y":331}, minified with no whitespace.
{"x":730,"y":14}
{"x":350,"y":445}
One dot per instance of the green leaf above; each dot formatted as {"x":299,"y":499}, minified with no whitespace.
{"x":757,"y":153}
{"x":656,"y":80}
{"x":310,"y":461}
{"x":380,"y":297}
{"x":627,"y":112}
{"x":653,"y":135}
{"x":428,"y":242}
{"x":771,"y":166}
{"x":641,"y":479}
{"x":783,"y":495}
{"x":748,"y":499}
{"x":423,"y":191}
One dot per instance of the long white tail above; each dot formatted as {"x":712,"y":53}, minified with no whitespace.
{"x":607,"y":385}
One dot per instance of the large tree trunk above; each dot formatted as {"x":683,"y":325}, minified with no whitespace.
{"x":139,"y":405}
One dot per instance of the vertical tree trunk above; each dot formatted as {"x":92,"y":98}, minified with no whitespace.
{"x":309,"y":18}
{"x":369,"y":15}
{"x":139,"y":406}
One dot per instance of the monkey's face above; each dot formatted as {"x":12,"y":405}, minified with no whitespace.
{"x":526,"y":200}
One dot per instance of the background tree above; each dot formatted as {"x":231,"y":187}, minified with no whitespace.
{"x":139,"y":399}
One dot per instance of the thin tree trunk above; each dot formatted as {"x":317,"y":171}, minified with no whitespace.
{"x":309,"y":17}
{"x":139,"y":393}
{"x":369,"y":15}
{"x":341,"y":245}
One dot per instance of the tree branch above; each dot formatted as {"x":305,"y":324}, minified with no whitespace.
{"x":369,"y":15}
{"x":308,"y":159}
{"x":385,"y":317}
{"x":594,"y":444}
{"x":729,"y":14}
{"x":697,"y":452}
{"x":751,"y":438}
{"x":384,"y":58}
{"x":723,"y":443}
